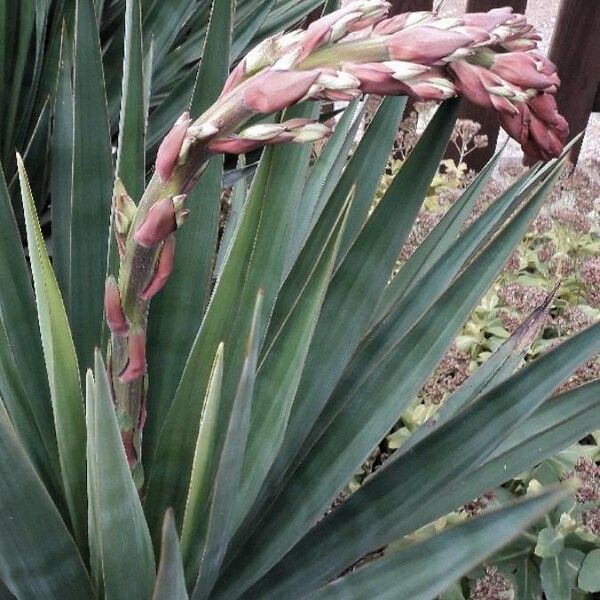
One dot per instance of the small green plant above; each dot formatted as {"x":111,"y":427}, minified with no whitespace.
{"x":203,"y":452}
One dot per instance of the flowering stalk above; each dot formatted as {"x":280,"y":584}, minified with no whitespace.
{"x":489,"y":58}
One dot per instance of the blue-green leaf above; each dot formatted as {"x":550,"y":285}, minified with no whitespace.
{"x":120,"y":529}
{"x":61,"y":367}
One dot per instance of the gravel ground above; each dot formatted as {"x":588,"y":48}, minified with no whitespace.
{"x":542,"y":13}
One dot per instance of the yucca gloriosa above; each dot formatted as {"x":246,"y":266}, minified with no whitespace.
{"x":279,"y":353}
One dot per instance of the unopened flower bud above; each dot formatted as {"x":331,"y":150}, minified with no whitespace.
{"x":164,"y":267}
{"x":275,"y":90}
{"x":262,"y":55}
{"x":136,"y":363}
{"x":122,"y":201}
{"x":262,"y":131}
{"x":402,"y":71}
{"x":311,"y":132}
{"x":123,"y":213}
{"x":425,"y":45}
{"x":488,"y":20}
{"x":168,"y":152}
{"x":115,"y":319}
{"x":399,"y":22}
{"x":526,"y":70}
{"x":482,"y":87}
{"x":337,"y":80}
{"x":158,"y":224}
{"x":121,"y":223}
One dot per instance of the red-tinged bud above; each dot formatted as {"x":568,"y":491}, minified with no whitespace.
{"x":430,"y":86}
{"x":517,"y":125}
{"x":548,"y":143}
{"x":136,"y":364}
{"x":353,"y":16}
{"x":168,"y":152}
{"x":235,"y":78}
{"x":370,"y":73}
{"x":426,"y":45}
{"x":476,"y":84}
{"x":399,"y":22}
{"x":526,"y":70}
{"x":294,"y":130}
{"x":159,"y":223}
{"x":275,"y":90}
{"x":544,"y":107}
{"x":234,"y":145}
{"x":489,"y":20}
{"x":164,"y":267}
{"x":115,"y":319}
{"x":522,"y":43}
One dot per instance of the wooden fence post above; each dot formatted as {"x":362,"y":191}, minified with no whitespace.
{"x":575,"y":50}
{"x":490,"y":124}
{"x":402,"y":6}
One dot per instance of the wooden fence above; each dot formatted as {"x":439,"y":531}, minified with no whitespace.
{"x":575,"y":48}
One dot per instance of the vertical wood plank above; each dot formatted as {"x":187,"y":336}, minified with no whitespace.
{"x":575,"y":50}
{"x":402,"y":6}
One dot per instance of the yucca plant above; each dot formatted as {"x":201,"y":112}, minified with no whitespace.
{"x":205,"y":453}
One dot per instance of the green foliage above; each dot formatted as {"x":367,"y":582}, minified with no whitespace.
{"x":561,"y":243}
{"x":275,"y":369}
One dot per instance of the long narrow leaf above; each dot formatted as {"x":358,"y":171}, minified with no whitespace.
{"x":61,"y":366}
{"x":124,"y":541}
{"x":213,"y":538}
{"x":38,"y":557}
{"x":92,"y":174}
{"x":424,"y":570}
{"x":23,"y":383}
{"x":170,"y":580}
{"x":279,"y":376}
{"x":358,"y":284}
{"x":371,"y":399}
{"x":131,"y":156}
{"x":400,"y":493}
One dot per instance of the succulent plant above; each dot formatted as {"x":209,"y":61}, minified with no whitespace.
{"x":255,"y":359}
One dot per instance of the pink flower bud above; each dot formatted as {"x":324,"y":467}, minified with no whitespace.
{"x":525,"y":70}
{"x":474,"y":82}
{"x":489,"y":20}
{"x":431,"y":86}
{"x":540,"y":139}
{"x":275,"y":90}
{"x":158,"y":224}
{"x":425,"y":45}
{"x":544,"y":107}
{"x":164,"y":267}
{"x":136,"y":364}
{"x":522,"y":42}
{"x":546,"y":140}
{"x":399,"y":22}
{"x":168,"y":152}
{"x":517,"y":125}
{"x":234,"y":145}
{"x":115,"y":319}
{"x":370,"y":73}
